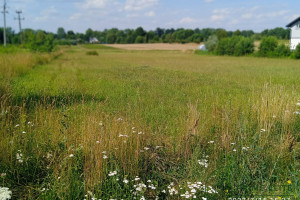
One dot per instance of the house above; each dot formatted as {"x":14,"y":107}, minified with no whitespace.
{"x":94,"y":40}
{"x":295,"y":33}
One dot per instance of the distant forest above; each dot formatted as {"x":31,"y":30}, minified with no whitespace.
{"x":138,"y":35}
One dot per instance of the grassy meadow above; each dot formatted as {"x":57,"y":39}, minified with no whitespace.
{"x":94,"y":122}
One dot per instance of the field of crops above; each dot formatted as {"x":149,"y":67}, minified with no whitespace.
{"x":96,"y":122}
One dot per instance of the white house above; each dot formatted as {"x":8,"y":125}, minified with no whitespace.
{"x":295,"y":33}
{"x":94,"y":40}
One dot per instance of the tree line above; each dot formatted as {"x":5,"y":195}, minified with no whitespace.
{"x":139,"y":35}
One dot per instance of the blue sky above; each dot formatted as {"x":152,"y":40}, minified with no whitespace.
{"x":79,"y":15}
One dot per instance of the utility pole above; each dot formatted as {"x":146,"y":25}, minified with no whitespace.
{"x":19,"y":12}
{"x":4,"y":17}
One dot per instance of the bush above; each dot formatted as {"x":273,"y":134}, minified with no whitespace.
{"x":268,"y":46}
{"x":211,"y":43}
{"x":282,"y":51}
{"x":92,"y":53}
{"x":297,"y":52}
{"x":244,"y":47}
{"x":235,"y":45}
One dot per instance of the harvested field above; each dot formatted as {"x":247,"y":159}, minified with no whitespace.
{"x":156,"y":46}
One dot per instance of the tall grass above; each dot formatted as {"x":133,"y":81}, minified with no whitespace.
{"x":101,"y":127}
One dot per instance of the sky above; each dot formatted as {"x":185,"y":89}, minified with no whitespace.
{"x":79,"y":15}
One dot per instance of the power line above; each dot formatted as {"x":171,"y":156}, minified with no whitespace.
{"x":4,"y":19}
{"x":19,"y":12}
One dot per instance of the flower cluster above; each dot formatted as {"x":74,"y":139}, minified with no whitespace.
{"x":5,"y":193}
{"x":19,"y":156}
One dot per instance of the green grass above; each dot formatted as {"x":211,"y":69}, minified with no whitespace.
{"x":85,"y":105}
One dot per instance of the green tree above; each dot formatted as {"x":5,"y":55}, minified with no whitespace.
{"x":61,"y":33}
{"x":268,"y":46}
{"x":211,"y":43}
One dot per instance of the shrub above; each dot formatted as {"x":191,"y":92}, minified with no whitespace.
{"x":211,"y":43}
{"x":235,"y":45}
{"x":282,"y":51}
{"x":92,"y":53}
{"x":268,"y":46}
{"x":297,"y":52}
{"x":244,"y":47}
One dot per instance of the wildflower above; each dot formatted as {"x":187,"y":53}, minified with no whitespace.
{"x":105,"y":157}
{"x":157,"y":147}
{"x":49,"y":155}
{"x":137,"y":178}
{"x":17,"y":125}
{"x":193,"y":191}
{"x":5,"y":193}
{"x":245,"y":148}
{"x":125,"y":181}
{"x":133,"y":128}
{"x":298,"y":104}
{"x":71,"y":155}
{"x":203,"y":162}
{"x":97,"y":142}
{"x":262,"y":130}
{"x":123,"y":135}
{"x":203,"y":198}
{"x":100,"y":123}
{"x":232,"y":143}
{"x":146,"y":148}
{"x":19,"y":157}
{"x":279,"y":198}
{"x":297,"y":112}
{"x":3,"y":174}
{"x":112,"y":173}
{"x":289,"y":182}
{"x":58,"y":178}
{"x":149,"y":181}
{"x":211,"y":142}
{"x":119,"y":119}
{"x":142,"y":198}
{"x":43,"y":189}
{"x":104,"y":152}
{"x":164,"y":191}
{"x":23,"y":132}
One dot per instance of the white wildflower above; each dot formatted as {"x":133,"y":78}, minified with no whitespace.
{"x":125,"y":181}
{"x":203,"y":162}
{"x":298,"y":104}
{"x":17,"y":125}
{"x":100,"y":123}
{"x":97,"y":142}
{"x":119,"y":119}
{"x":140,"y":133}
{"x":146,"y":148}
{"x":23,"y":132}
{"x":234,"y":150}
{"x":105,"y":157}
{"x":112,"y":173}
{"x":3,"y":174}
{"x":211,"y":142}
{"x":71,"y":155}
{"x":137,"y":178}
{"x":19,"y":157}
{"x":5,"y":193}
{"x":262,"y":130}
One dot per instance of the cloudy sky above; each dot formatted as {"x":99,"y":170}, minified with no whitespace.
{"x":79,"y":15}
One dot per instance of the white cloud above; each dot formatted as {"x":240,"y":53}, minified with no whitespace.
{"x":138,"y":5}
{"x":92,"y":4}
{"x":187,"y":20}
{"x":47,"y":14}
{"x":209,"y":1}
{"x":150,"y":14}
